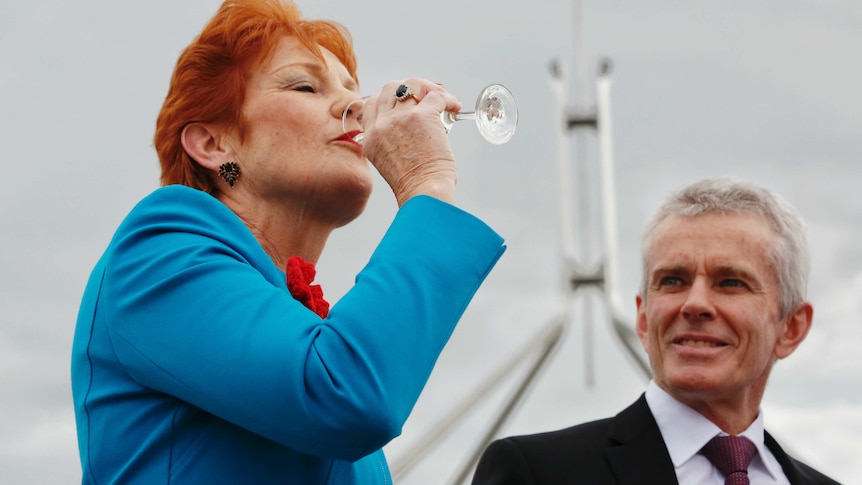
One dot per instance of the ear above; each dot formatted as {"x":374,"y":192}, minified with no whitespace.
{"x":794,"y":330}
{"x":201,"y":142}
{"x":641,"y":325}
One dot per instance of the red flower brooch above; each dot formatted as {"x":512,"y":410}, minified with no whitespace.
{"x":300,"y":274}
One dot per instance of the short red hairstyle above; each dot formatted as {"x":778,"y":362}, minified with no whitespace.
{"x":209,"y":82}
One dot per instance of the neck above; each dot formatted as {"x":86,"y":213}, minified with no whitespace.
{"x":283,"y":230}
{"x":733,"y":414}
{"x":732,"y":420}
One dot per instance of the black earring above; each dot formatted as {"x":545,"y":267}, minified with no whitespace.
{"x":230,"y":172}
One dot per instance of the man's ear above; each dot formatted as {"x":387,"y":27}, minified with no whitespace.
{"x":202,"y":143}
{"x":641,"y":325}
{"x":794,"y":329}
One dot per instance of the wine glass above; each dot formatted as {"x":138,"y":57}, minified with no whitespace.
{"x":495,"y":114}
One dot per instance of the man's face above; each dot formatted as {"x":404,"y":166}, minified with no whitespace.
{"x":710,"y":318}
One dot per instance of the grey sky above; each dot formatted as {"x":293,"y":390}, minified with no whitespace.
{"x":762,"y":90}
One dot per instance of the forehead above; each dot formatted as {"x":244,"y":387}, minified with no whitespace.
{"x":730,"y":240}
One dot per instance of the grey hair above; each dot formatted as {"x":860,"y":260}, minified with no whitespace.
{"x":789,"y":255}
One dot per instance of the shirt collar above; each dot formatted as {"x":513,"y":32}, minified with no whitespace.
{"x":685,"y":431}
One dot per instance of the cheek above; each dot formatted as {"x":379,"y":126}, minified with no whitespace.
{"x":766,"y":341}
{"x":651,"y":337}
{"x":274,"y":141}
{"x":661,"y":312}
{"x":279,"y":122}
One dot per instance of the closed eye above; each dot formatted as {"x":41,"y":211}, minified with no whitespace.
{"x":306,"y":88}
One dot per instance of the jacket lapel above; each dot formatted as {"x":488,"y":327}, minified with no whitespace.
{"x":791,"y":471}
{"x":639,"y":454}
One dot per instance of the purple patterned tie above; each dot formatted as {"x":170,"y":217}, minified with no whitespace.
{"x":731,"y":455}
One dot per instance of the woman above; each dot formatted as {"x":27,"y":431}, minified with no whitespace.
{"x":196,"y":358}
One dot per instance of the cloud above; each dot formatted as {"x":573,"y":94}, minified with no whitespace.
{"x":828,"y":444}
{"x":767,"y":95}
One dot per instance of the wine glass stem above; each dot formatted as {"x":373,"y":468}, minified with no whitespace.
{"x":463,"y":115}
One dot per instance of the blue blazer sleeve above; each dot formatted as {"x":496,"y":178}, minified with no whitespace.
{"x":195,"y":309}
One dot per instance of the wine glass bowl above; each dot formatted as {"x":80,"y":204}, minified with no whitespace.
{"x":354,"y":109}
{"x":495,"y":115}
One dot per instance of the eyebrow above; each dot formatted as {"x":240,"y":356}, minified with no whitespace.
{"x":675,"y":268}
{"x":318,"y":69}
{"x":737,"y":272}
{"x":719,"y":271}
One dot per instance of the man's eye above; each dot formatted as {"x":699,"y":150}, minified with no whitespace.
{"x":670,"y":281}
{"x":306,"y":88}
{"x":731,"y":283}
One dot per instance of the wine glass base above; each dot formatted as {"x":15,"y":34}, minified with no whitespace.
{"x":496,"y":114}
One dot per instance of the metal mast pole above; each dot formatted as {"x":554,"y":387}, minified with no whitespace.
{"x":584,"y":177}
{"x":575,"y":276}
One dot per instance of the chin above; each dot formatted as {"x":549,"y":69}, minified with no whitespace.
{"x":349,"y":215}
{"x":360,"y":182}
{"x":351,"y":205}
{"x":692,"y":380}
{"x":344,"y":195}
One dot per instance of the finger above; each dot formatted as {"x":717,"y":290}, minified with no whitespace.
{"x":442,"y":100}
{"x":437,"y":99}
{"x":420,"y":89}
{"x":405,"y":93}
{"x":413,"y":89}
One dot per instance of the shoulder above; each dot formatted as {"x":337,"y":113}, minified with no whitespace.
{"x":178,"y":228}
{"x":807,"y":475}
{"x":797,"y":472}
{"x":589,"y":435}
{"x":543,"y":458}
{"x":180,"y":206}
{"x":176,"y":216}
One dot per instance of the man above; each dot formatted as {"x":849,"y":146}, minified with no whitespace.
{"x":722,"y":298}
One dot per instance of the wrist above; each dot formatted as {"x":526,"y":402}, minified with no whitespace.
{"x":443,"y":189}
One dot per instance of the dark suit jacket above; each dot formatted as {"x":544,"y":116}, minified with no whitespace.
{"x":624,"y":450}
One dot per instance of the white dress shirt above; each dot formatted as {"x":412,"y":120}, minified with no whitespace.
{"x":685,"y":432}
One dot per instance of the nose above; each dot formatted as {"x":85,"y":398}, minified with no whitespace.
{"x":698,"y":305}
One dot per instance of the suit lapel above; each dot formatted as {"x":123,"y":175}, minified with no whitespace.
{"x":639,"y":454}
{"x":787,"y":464}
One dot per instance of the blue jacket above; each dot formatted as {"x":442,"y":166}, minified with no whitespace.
{"x":192,"y":364}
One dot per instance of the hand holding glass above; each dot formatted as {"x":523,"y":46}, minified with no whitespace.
{"x":495,"y":114}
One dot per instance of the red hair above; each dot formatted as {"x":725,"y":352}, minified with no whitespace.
{"x":209,"y":81}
